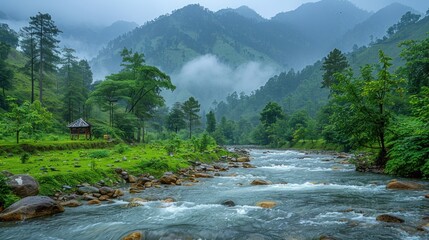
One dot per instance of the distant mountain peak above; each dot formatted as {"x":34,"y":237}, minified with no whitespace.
{"x":244,"y":11}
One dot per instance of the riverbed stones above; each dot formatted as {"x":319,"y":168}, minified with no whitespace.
{"x":243,"y":159}
{"x":203,"y":175}
{"x":266,"y":204}
{"x":31,"y":207}
{"x":168,"y":178}
{"x":87,"y":189}
{"x":389,"y":218}
{"x":248,"y":165}
{"x":71,"y":203}
{"x":398,"y":185}
{"x":23,"y":185}
{"x":106,"y":191}
{"x":94,"y":202}
{"x":134,"y":236}
{"x":260,"y":182}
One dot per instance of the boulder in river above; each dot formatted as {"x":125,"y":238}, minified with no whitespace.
{"x":228,"y":203}
{"x":397,"y":185}
{"x":389,"y":218}
{"x":133,"y":236}
{"x":71,"y":203}
{"x":23,"y":185}
{"x":243,"y":159}
{"x":31,"y":207}
{"x":168,"y":179}
{"x":87,"y":189}
{"x":266,"y":204}
{"x":260,"y":182}
{"x":203,"y":175}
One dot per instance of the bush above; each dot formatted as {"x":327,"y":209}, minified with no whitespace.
{"x":7,"y":198}
{"x":154,"y":164}
{"x":173,"y":145}
{"x":25,"y":157}
{"x":99,"y":154}
{"x":121,"y":148}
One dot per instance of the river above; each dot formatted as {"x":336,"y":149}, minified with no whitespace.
{"x":315,"y":195}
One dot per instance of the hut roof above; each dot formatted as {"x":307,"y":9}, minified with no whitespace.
{"x":78,"y":123}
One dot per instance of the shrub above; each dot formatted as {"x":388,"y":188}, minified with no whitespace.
{"x":154,"y":164}
{"x":121,"y":148}
{"x":25,"y":157}
{"x":99,"y":154}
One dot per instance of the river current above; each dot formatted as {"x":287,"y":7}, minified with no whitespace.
{"x":315,"y":195}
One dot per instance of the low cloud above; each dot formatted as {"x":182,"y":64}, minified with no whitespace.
{"x":208,"y":79}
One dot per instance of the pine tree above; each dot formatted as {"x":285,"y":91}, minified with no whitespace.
{"x":335,"y":62}
{"x":191,"y":108}
{"x":211,"y":122}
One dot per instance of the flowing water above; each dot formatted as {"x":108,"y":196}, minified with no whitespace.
{"x":315,"y":196}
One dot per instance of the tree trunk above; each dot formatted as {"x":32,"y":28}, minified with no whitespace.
{"x":17,"y":137}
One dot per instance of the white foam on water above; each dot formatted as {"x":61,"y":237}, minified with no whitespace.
{"x":244,"y":209}
{"x":316,"y":186}
{"x":315,"y":223}
{"x":98,"y":225}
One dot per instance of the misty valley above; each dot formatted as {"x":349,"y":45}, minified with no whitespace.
{"x":216,"y":124}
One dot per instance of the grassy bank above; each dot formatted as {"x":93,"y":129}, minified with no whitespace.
{"x":319,"y":144}
{"x":72,"y":165}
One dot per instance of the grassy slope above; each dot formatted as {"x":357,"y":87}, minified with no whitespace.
{"x":56,"y":168}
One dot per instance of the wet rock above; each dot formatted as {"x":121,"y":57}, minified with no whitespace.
{"x":169,"y":200}
{"x":243,"y":159}
{"x":260,"y":182}
{"x":6,"y":173}
{"x":131,"y":179}
{"x":203,"y":175}
{"x":324,"y":237}
{"x":248,"y":165}
{"x":23,"y":185}
{"x":118,"y":193}
{"x":31,"y":207}
{"x":106,"y":191}
{"x":133,"y":236}
{"x":168,"y":179}
{"x":87,"y":189}
{"x":71,"y":203}
{"x":228,"y":203}
{"x":94,"y":202}
{"x":103,"y":198}
{"x":136,"y":202}
{"x":118,"y":170}
{"x":398,"y":185}
{"x":389,"y":218}
{"x":427,"y":196}
{"x":266,"y":204}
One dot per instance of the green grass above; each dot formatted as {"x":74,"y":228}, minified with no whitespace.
{"x":71,"y":165}
{"x":319,"y":144}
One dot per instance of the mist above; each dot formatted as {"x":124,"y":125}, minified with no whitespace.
{"x":208,"y":80}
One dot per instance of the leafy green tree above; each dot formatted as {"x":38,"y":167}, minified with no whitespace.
{"x":407,"y":19}
{"x":26,"y":117}
{"x":335,"y":62}
{"x":271,"y":113}
{"x":416,"y":69}
{"x":191,"y":108}
{"x":362,"y":106}
{"x":211,"y":122}
{"x":44,"y":31}
{"x":176,"y":118}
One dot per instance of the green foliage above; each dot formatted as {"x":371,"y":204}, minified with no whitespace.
{"x":99,"y":154}
{"x":203,"y":143}
{"x":211,"y":122}
{"x":7,"y":198}
{"x":154,"y":165}
{"x":191,"y":108}
{"x":335,"y":62}
{"x":121,"y":148}
{"x":173,"y":145}
{"x":25,"y":157}
{"x":409,"y":153}
{"x":176,"y":118}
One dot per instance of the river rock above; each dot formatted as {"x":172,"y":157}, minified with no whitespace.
{"x":228,"y":203}
{"x":136,"y":202}
{"x":106,"y":191}
{"x":23,"y":185}
{"x":131,"y":179}
{"x":94,"y":202}
{"x":389,"y":218}
{"x":243,"y":159}
{"x":203,"y":175}
{"x":397,"y":185}
{"x":260,"y":182}
{"x":248,"y":165}
{"x":118,"y":193}
{"x":87,"y":189}
{"x":266,"y":204}
{"x":134,"y":236}
{"x":169,"y":200}
{"x":31,"y":207}
{"x":71,"y":203}
{"x":168,"y":179}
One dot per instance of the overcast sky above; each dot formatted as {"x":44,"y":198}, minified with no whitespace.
{"x":104,"y":12}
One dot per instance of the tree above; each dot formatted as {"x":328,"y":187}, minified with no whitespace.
{"x":416,"y":69}
{"x":175,"y":118}
{"x":271,"y":113}
{"x":211,"y":122}
{"x":191,"y":108}
{"x":335,"y":62}
{"x":26,"y":117}
{"x":6,"y":74}
{"x":361,"y":106}
{"x":42,"y":33}
{"x":29,"y":48}
{"x":8,"y":36}
{"x":407,"y":19}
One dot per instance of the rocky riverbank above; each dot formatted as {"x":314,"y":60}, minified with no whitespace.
{"x":31,"y":206}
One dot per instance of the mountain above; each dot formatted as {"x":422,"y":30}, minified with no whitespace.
{"x":296,"y":91}
{"x":89,"y":40}
{"x":374,"y":27}
{"x":244,"y":11}
{"x":172,"y":40}
{"x":323,"y":22}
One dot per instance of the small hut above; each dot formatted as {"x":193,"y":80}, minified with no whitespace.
{"x":80,"y":127}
